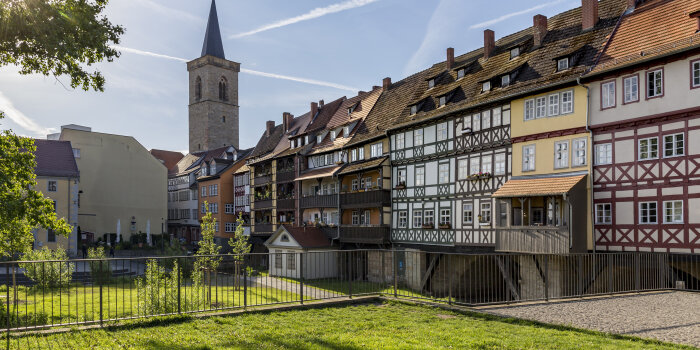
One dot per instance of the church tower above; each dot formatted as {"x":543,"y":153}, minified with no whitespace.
{"x":213,"y":107}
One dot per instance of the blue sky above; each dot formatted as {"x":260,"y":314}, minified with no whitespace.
{"x":343,"y":45}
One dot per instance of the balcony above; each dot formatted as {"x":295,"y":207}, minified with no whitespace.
{"x":533,"y":239}
{"x":262,"y":228}
{"x":262,"y":204}
{"x":262,"y":180}
{"x":285,"y":175}
{"x":285,"y":204}
{"x":378,"y":234}
{"x":320,"y":201}
{"x":366,"y":199}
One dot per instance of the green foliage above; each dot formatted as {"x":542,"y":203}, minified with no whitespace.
{"x":57,"y":272}
{"x":207,"y":246}
{"x":157,"y":290}
{"x":58,"y":37}
{"x":239,"y":242}
{"x":22,"y":207}
{"x":100,"y":270}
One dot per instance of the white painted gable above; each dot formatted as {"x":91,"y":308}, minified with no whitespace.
{"x":282,"y":239}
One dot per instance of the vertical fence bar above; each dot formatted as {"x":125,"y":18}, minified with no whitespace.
{"x":179,"y":272}
{"x":396,"y":278}
{"x":350,"y":276}
{"x":449,"y":278}
{"x":7,"y":278}
{"x":637,"y":273}
{"x":301,"y":277}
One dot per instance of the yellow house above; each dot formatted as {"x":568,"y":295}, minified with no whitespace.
{"x":57,"y":178}
{"x":547,"y":201}
{"x":123,"y":187}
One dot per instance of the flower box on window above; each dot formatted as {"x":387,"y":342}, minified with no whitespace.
{"x":401,"y":186}
{"x":340,"y":162}
{"x":479,"y":176}
{"x":428,"y":226}
{"x":445,"y":226}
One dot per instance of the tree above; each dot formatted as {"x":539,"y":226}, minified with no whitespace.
{"x":239,"y":247}
{"x":58,"y":37}
{"x":22,"y":208}
{"x":207,"y":259}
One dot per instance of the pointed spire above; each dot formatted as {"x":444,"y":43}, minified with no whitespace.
{"x":212,"y":38}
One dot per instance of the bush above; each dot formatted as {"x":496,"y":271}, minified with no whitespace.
{"x":157,"y":290}
{"x":100,"y":270}
{"x":54,"y":274}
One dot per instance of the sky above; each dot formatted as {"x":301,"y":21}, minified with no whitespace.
{"x":291,"y":53}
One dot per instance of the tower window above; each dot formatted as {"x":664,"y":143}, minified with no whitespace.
{"x":223,"y":89}
{"x":198,"y":89}
{"x":223,"y":119}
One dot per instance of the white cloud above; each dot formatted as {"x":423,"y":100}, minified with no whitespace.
{"x":315,"y":13}
{"x":20,"y":119}
{"x":243,"y":70}
{"x":513,"y":14}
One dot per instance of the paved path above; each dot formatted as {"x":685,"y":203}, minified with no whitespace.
{"x":667,"y":316}
{"x":286,"y":285}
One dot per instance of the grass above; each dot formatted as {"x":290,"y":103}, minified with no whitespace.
{"x":388,"y":325}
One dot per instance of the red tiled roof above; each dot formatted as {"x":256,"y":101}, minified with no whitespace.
{"x":308,"y":237}
{"x":55,"y":158}
{"x":168,"y":158}
{"x":535,"y":187}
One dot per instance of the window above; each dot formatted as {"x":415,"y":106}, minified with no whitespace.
{"x":319,"y":138}
{"x":655,"y":85}
{"x":353,"y":155}
{"x":52,"y":186}
{"x":414,"y":109}
{"x":76,"y":152}
{"x":647,"y":213}
{"x":204,"y":191}
{"x":368,"y":184}
{"x":695,"y":75}
{"x":485,"y":216}
{"x":500,"y":168}
{"x":403,"y":219}
{"x":631,"y":89}
{"x":673,"y":212}
{"x":442,"y":100}
{"x":278,"y":259}
{"x":467,"y":213}
{"x":497,"y":121}
{"x":428,"y":217}
{"x":579,"y":149}
{"x":365,"y":219}
{"x":514,"y":52}
{"x":216,"y":227}
{"x":476,"y":122}
{"x":401,"y":177}
{"x":418,"y":137}
{"x":485,"y":86}
{"x":291,"y":261}
{"x":355,"y":217}
{"x":553,"y":105}
{"x":213,"y":190}
{"x":361,"y":153}
{"x":442,"y":131}
{"x":563,"y":64}
{"x":223,"y":89}
{"x":431,"y":83}
{"x":376,"y":150}
{"x":603,"y":154}
{"x":346,"y":131}
{"x":561,"y":154}
{"x":460,"y":73}
{"x":445,"y":217}
{"x":529,"y":109}
{"x":463,"y":169}
{"x":223,"y":119}
{"x":444,"y":173}
{"x":417,"y":218}
{"x":505,"y":80}
{"x":541,"y":107}
{"x":486,"y":119}
{"x":230,"y":209}
{"x":204,"y":208}
{"x":474,"y":166}
{"x":603,"y":214}
{"x":214,"y":208}
{"x":486,"y":164}
{"x":567,"y":102}
{"x":198,"y":88}
{"x":333,"y":134}
{"x":648,"y":148}
{"x":607,"y":95}
{"x":230,"y":227}
{"x":529,"y":158}
{"x":50,"y":235}
{"x":420,"y":176}
{"x":674,"y":145}
{"x":400,"y":141}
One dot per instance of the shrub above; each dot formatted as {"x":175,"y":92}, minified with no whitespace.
{"x":157,"y":290}
{"x":99,"y":270}
{"x":53,"y":274}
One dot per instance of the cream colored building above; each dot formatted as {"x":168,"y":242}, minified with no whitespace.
{"x":123,"y":187}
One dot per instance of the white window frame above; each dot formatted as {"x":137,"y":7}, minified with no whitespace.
{"x":607,"y":95}
{"x":444,"y":173}
{"x":514,"y":52}
{"x":401,"y":176}
{"x":353,"y":155}
{"x":486,"y":86}
{"x":461,"y":73}
{"x":505,"y":80}
{"x":474,"y":165}
{"x":603,"y":154}
{"x":603,"y":214}
{"x":76,"y":153}
{"x":417,"y":218}
{"x":674,"y":217}
{"x":400,"y":141}
{"x":445,"y":216}
{"x":487,"y":164}
{"x":553,"y":105}
{"x":50,"y":188}
{"x":529,"y":109}
{"x":476,"y":122}
{"x":485,"y":119}
{"x":567,"y":102}
{"x":561,"y":154}
{"x":540,"y":107}
{"x":420,"y":176}
{"x":361,"y":153}
{"x":496,"y":114}
{"x":442,"y":133}
{"x":500,"y":161}
{"x":414,"y":109}
{"x":429,"y":213}
{"x":402,"y":219}
{"x":630,"y":95}
{"x":431,"y":83}
{"x":695,"y":74}
{"x":646,"y":208}
{"x":376,"y":150}
{"x":649,"y":154}
{"x":204,"y":191}
{"x":579,"y":152}
{"x":658,"y":81}
{"x":442,"y":100}
{"x":485,"y":213}
{"x":467,"y":213}
{"x":675,"y":150}
{"x":529,"y":158}
{"x":355,"y":217}
{"x":562,"y":64}
{"x":418,"y":137}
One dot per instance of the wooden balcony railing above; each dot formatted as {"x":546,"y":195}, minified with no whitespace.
{"x":285,"y":176}
{"x":533,"y":239}
{"x":262,"y":180}
{"x":262,"y":204}
{"x":364,"y":234}
{"x":285,"y":204}
{"x":320,"y":201}
{"x":262,"y":228}
{"x":366,"y":199}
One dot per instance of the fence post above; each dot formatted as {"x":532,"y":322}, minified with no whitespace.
{"x":7,"y":278}
{"x":245,"y":285}
{"x":350,"y":275}
{"x":546,"y":277}
{"x":381,"y":274}
{"x":396,"y":278}
{"x":179,"y":271}
{"x":301,"y":276}
{"x":101,"y":269}
{"x":637,"y":284}
{"x":610,"y":273}
{"x":449,"y":278}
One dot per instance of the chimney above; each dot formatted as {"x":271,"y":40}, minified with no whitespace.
{"x":589,"y":14}
{"x":320,"y":104}
{"x":287,"y":120}
{"x":314,"y":109}
{"x":539,"y":29}
{"x":269,"y":126}
{"x":450,"y":57}
{"x":489,"y":42}
{"x":386,"y":83}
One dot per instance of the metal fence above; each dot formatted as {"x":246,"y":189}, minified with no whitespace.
{"x":60,"y":293}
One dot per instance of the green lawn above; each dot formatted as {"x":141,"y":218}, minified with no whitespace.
{"x":388,"y":325}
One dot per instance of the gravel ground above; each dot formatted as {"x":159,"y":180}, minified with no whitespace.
{"x":667,"y":316}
